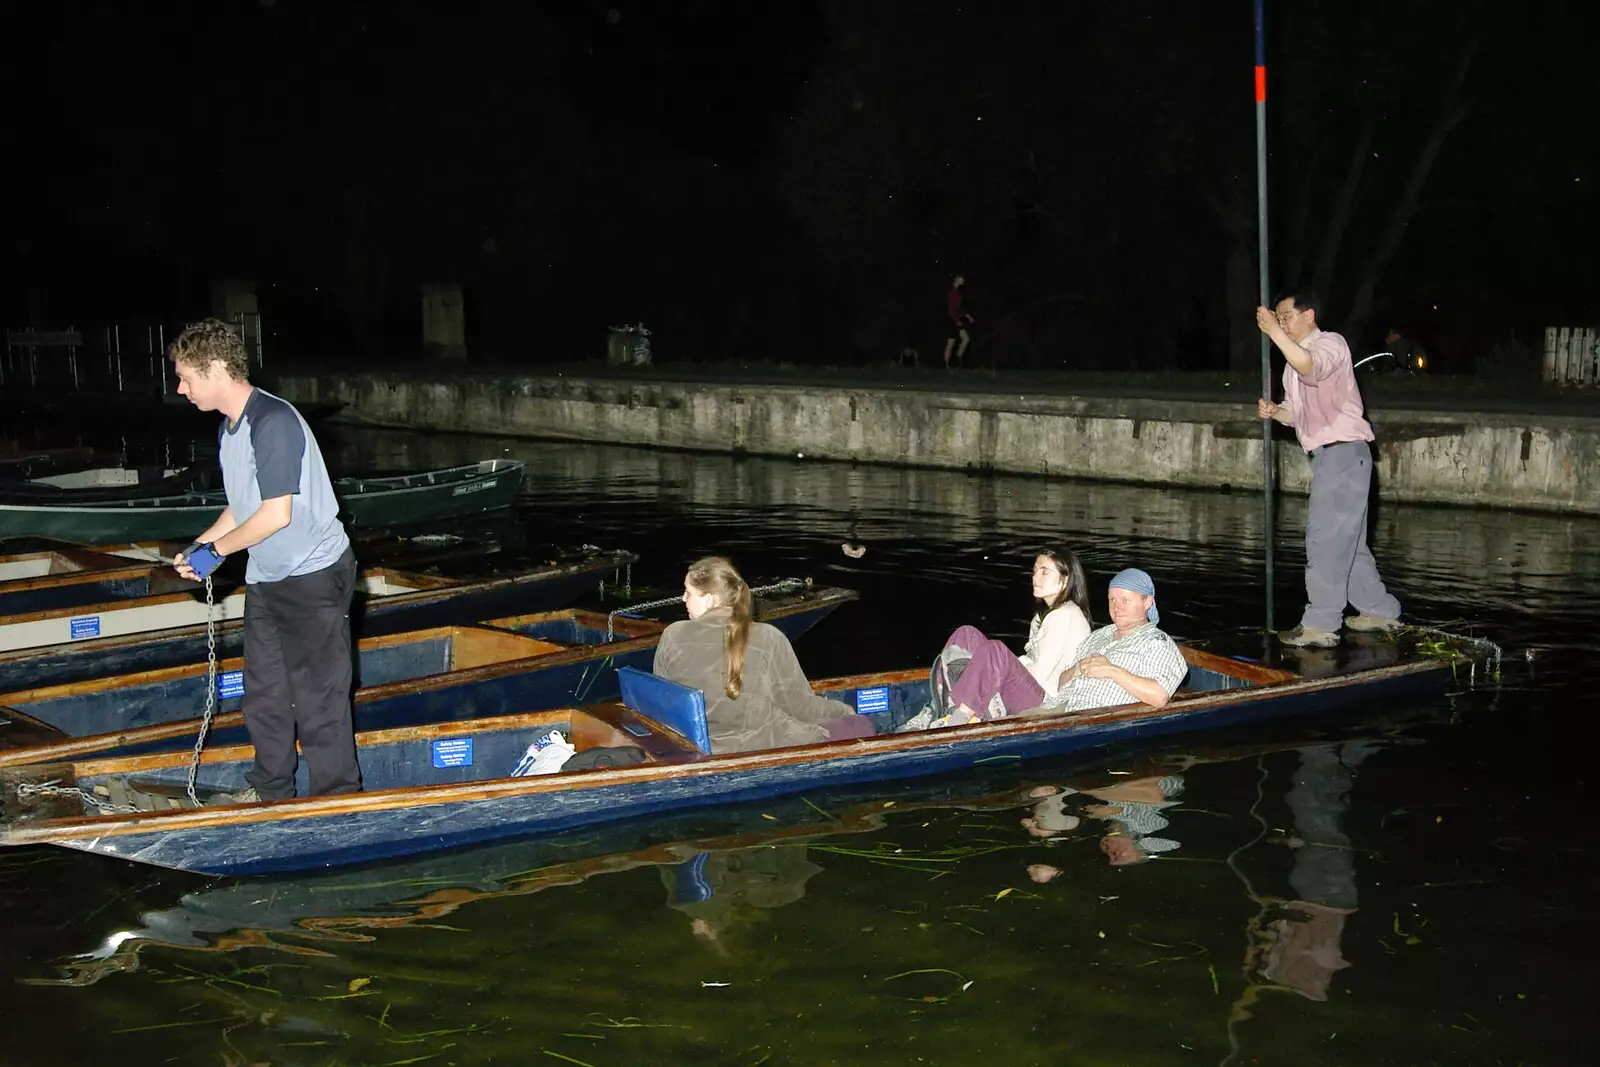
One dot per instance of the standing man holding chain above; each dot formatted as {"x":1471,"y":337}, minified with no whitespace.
{"x":301,"y":572}
{"x":1323,"y":404}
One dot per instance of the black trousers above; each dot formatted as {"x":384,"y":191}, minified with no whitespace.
{"x":297,"y":678}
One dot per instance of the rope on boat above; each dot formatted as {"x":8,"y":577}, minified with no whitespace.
{"x":788,"y":585}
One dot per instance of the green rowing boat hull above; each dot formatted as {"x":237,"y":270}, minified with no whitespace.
{"x":391,"y":501}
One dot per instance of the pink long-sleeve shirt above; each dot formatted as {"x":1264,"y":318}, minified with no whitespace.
{"x":1326,"y":403}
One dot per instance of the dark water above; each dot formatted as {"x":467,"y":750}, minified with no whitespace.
{"x":1406,"y":884}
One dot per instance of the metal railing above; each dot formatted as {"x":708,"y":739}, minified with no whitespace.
{"x":1571,"y":356}
{"x":134,"y":354}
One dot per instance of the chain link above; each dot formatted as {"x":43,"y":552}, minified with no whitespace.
{"x":211,"y":691}
{"x":786,"y":586}
{"x":27,"y":790}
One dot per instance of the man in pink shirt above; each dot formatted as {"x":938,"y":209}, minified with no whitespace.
{"x":1323,"y":404}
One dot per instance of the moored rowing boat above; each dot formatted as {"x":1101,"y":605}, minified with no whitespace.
{"x":380,"y":501}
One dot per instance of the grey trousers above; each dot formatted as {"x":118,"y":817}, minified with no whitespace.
{"x":1339,"y":565}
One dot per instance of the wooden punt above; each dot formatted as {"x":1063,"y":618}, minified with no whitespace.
{"x":521,"y":663}
{"x":101,"y":626}
{"x":443,"y":785}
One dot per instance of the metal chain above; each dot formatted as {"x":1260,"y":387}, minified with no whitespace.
{"x":25,"y":790}
{"x":211,"y":690}
{"x":785,"y":586}
{"x":51,"y":789}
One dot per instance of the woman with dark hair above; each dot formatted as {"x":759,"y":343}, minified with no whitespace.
{"x":995,"y":683}
{"x":756,"y":694}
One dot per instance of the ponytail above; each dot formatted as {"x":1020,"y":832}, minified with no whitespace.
{"x":717,"y":576}
{"x":736,"y":639}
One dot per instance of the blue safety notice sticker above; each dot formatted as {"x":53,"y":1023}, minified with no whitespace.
{"x":870,"y":700}
{"x":85,"y":626}
{"x":230,"y":684}
{"x":452,"y":752}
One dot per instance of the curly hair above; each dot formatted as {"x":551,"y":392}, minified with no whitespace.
{"x":210,"y":340}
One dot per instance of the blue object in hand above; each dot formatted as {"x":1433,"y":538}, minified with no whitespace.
{"x":202,"y":559}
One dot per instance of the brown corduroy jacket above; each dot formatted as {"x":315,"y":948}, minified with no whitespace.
{"x":775,"y":706}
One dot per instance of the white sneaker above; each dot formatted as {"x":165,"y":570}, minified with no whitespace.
{"x":922,"y":720}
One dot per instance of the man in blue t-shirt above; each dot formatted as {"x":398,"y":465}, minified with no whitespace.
{"x":300,"y":576}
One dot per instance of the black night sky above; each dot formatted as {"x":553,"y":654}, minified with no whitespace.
{"x":797,"y":182}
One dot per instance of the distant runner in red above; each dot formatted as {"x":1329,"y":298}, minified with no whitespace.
{"x":959,"y":321}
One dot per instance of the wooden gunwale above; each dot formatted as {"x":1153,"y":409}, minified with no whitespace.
{"x":687,"y":765}
{"x":639,"y":634}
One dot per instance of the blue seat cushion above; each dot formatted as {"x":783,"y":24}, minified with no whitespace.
{"x":668,"y":703}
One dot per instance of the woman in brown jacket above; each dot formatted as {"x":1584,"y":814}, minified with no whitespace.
{"x":756,"y":694}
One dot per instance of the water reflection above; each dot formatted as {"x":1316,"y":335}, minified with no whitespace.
{"x":724,"y":890}
{"x":1130,"y":810}
{"x":1296,"y":944}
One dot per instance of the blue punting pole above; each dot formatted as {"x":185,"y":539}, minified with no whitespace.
{"x":1268,"y":522}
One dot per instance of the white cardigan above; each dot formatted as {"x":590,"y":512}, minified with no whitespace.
{"x":1053,"y":645}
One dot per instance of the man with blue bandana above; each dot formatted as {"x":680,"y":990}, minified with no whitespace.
{"x":1129,"y":661}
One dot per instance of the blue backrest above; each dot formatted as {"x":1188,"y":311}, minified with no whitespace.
{"x":668,"y":703}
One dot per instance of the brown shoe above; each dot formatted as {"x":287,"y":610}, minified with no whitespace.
{"x":1301,"y":637}
{"x":1372,"y":624}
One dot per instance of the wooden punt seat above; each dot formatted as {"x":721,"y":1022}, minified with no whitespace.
{"x":152,"y":795}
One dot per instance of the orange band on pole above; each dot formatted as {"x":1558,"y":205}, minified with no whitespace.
{"x":1261,"y":85}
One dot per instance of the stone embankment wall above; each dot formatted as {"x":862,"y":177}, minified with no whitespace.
{"x":1545,"y":462}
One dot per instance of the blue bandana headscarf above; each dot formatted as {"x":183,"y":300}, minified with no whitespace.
{"x":1135,"y":580}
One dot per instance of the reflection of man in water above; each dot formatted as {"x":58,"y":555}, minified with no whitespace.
{"x":1132,"y":808}
{"x":1299,"y":948}
{"x":720,"y":890}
